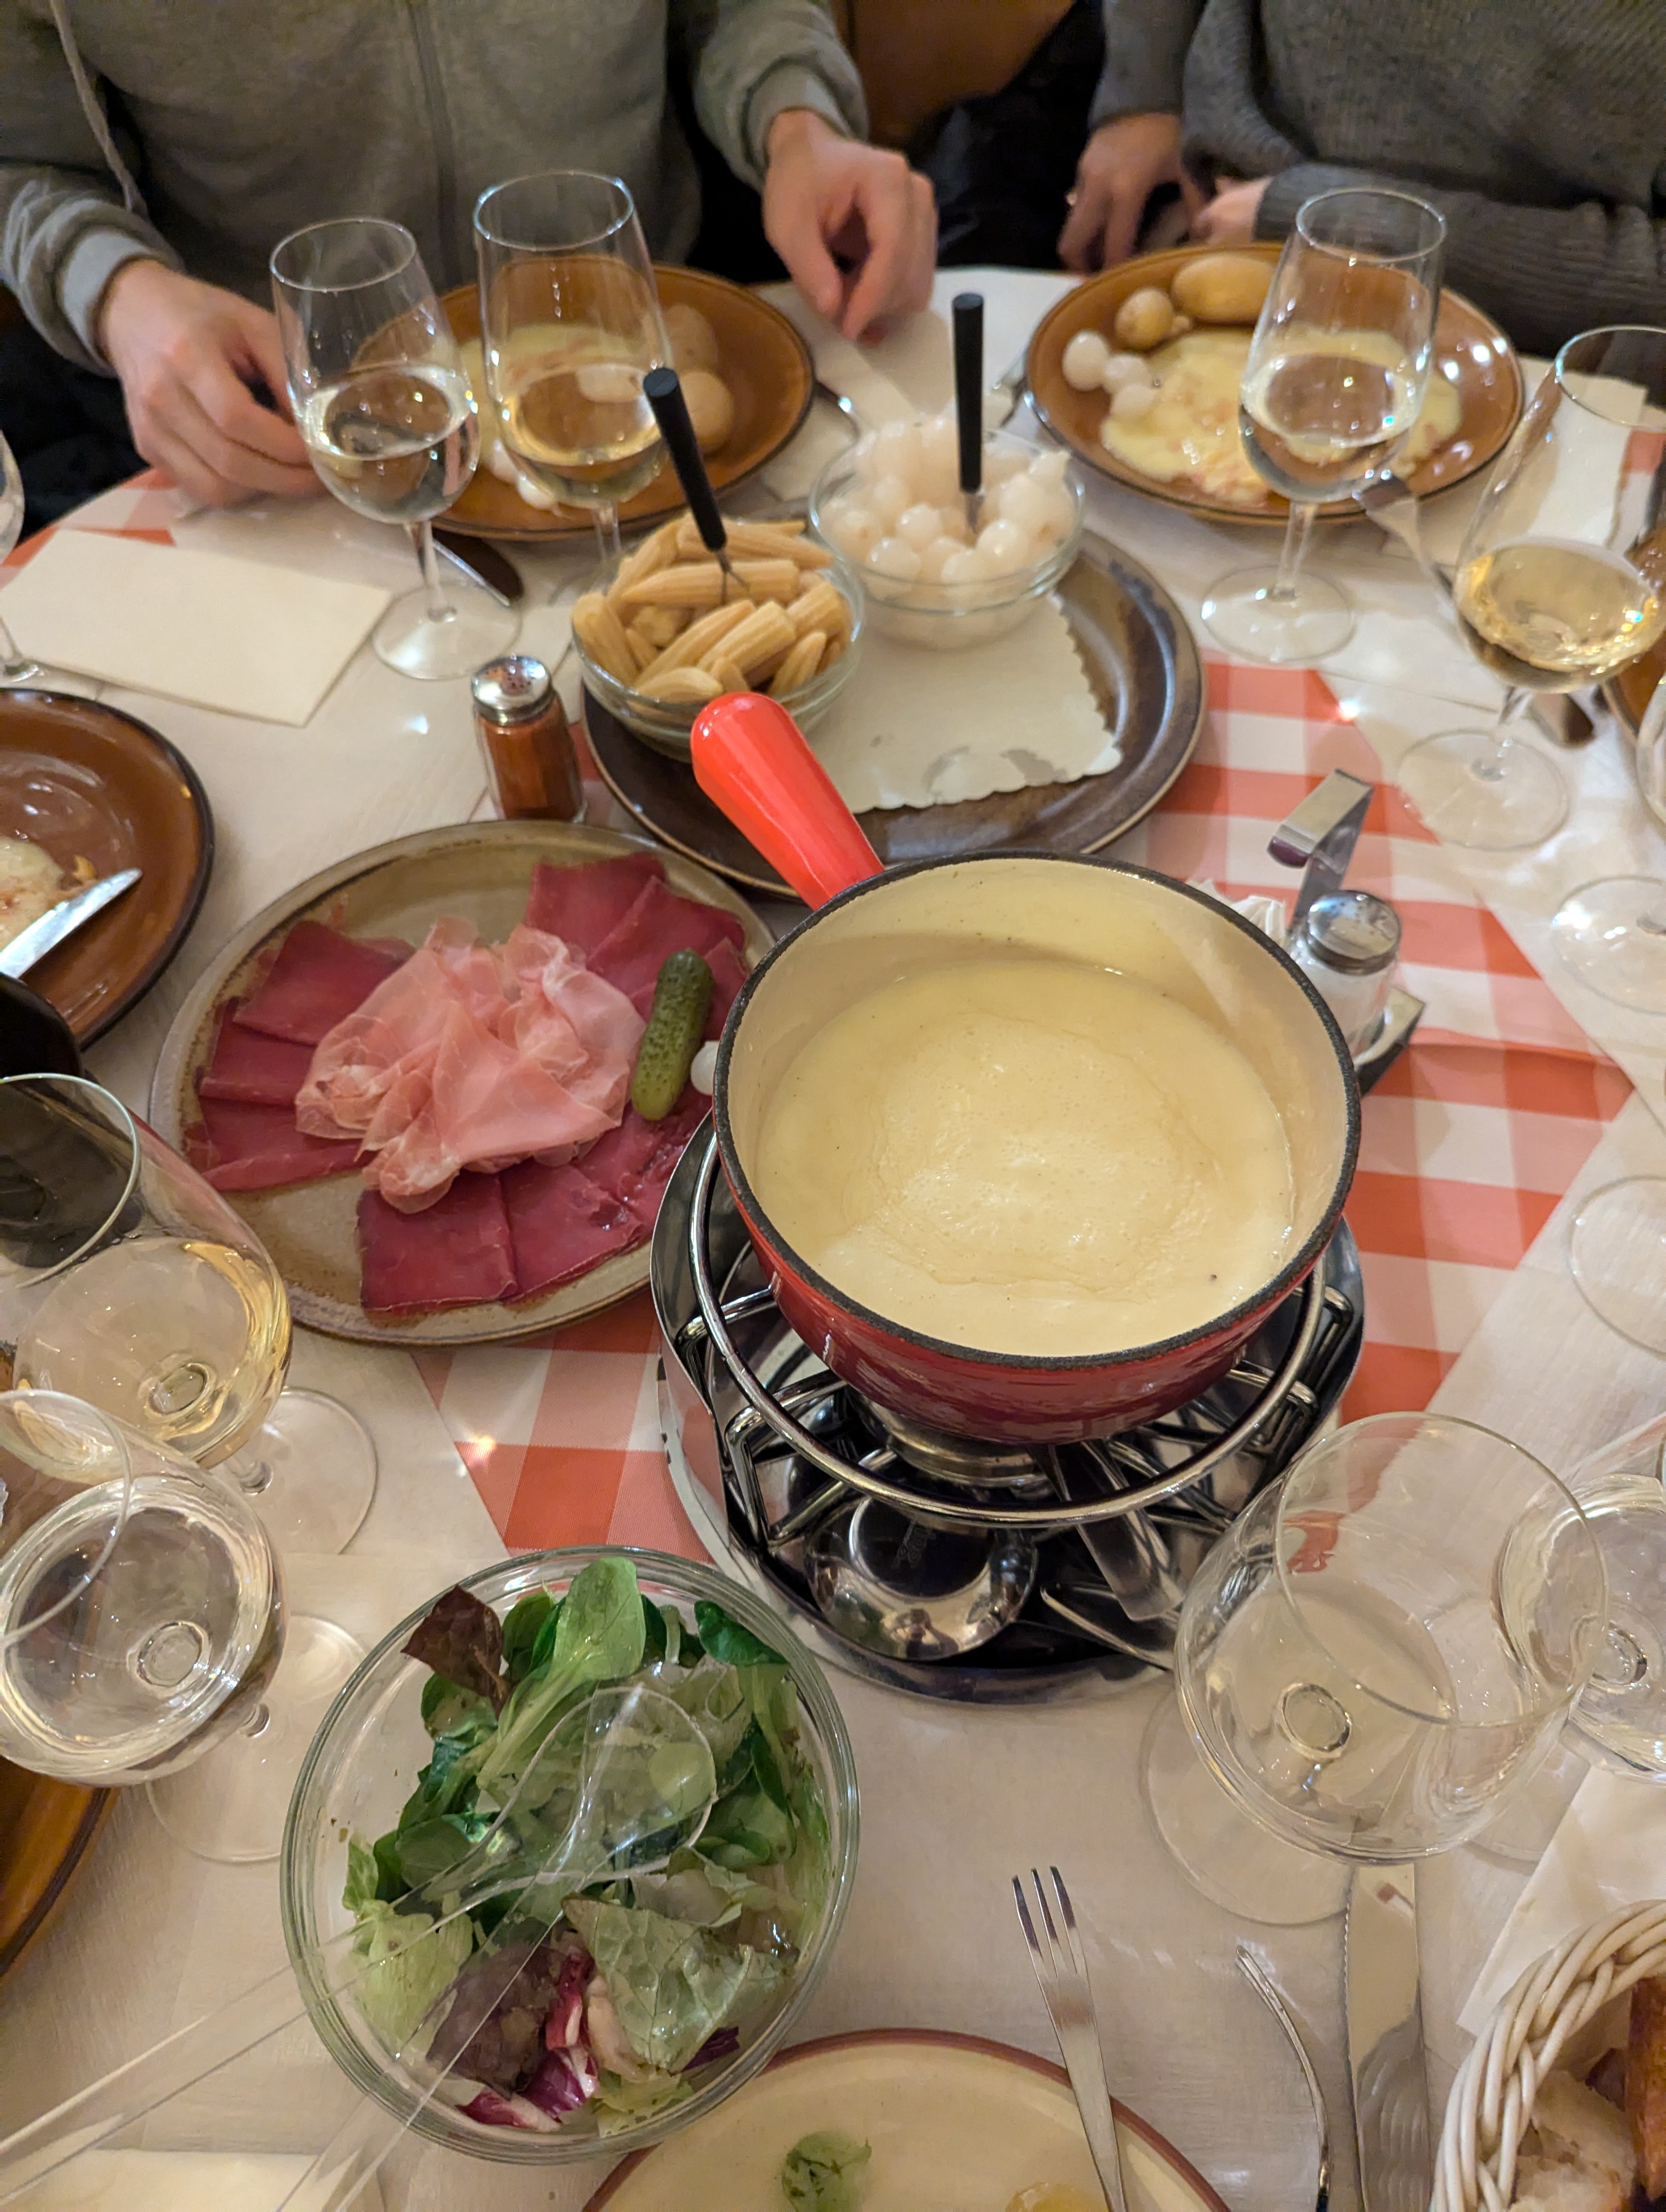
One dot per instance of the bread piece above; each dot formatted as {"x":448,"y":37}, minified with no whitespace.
{"x":1572,"y":2122}
{"x":1546,"y":2184}
{"x":1645,"y":2083}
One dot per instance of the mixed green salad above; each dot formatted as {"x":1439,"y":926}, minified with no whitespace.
{"x":644,"y":1955}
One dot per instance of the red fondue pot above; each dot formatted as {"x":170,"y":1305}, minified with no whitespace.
{"x":871,"y":925}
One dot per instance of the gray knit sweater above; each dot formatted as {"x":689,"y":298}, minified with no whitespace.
{"x":1537,"y":127}
{"x":231,"y":123}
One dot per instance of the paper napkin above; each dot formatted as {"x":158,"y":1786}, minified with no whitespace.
{"x":243,"y":637}
{"x":173,"y":2181}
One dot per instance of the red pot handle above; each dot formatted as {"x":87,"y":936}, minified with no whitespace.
{"x":751,"y":761}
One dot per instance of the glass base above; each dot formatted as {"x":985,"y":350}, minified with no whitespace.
{"x":1487,"y":792}
{"x":1612,"y":935}
{"x":1222,"y":1849}
{"x":1247,"y":614}
{"x":1617,"y":1253}
{"x":310,"y":1473}
{"x":475,"y":628}
{"x":231,"y":1805}
{"x":18,"y":671}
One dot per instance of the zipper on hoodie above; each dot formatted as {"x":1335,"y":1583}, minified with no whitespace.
{"x":445,"y":152}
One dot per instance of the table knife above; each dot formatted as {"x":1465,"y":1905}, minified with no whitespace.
{"x":1385,"y":2040}
{"x":61,"y":920}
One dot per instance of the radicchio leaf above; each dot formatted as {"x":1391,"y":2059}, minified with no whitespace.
{"x":463,"y":1639}
{"x":564,"y":2081}
{"x":721,"y":2043}
{"x":493,"y":2111}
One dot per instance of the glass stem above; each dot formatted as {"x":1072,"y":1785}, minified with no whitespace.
{"x":607,"y":519}
{"x":439,"y":607}
{"x":1489,"y":765}
{"x":1302,"y":512}
{"x":12,"y":663}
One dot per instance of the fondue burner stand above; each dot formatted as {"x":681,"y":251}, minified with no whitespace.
{"x":981,"y":1571}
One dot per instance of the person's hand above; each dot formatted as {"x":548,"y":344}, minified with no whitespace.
{"x":824,"y":194}
{"x":187,"y":355}
{"x":1229,"y":218}
{"x":1122,"y":166}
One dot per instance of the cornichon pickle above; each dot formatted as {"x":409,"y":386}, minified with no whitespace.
{"x":682,"y":1000}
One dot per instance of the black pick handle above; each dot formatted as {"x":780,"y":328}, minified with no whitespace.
{"x":664,"y":391}
{"x":968,"y":312}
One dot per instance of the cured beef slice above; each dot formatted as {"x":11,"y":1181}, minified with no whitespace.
{"x":659,"y":924}
{"x":635,"y":1162}
{"x":562,"y":1225}
{"x":582,"y":905}
{"x":239,"y":1146}
{"x":253,"y":1069}
{"x":317,"y":980}
{"x":456,"y":1252}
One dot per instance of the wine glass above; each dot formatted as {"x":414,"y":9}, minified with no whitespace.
{"x":1620,"y":1717}
{"x":126,"y":1280}
{"x":1551,"y":594}
{"x":383,"y":407}
{"x":1378,"y":1654}
{"x":142,"y":1635}
{"x":570,"y":325}
{"x":13,"y":669}
{"x":1333,"y":387}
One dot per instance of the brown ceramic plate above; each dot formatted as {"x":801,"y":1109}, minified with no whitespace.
{"x":92,"y":784}
{"x":1629,"y":693}
{"x":1144,"y":667}
{"x":761,"y":359}
{"x":1469,"y":347}
{"x":481,"y":870}
{"x":45,"y":1828}
{"x":949,"y":2119}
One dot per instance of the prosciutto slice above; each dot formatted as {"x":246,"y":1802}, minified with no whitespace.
{"x":582,"y":905}
{"x":659,"y":924}
{"x":317,"y":980}
{"x":562,"y":1225}
{"x":239,"y":1146}
{"x":635,"y":1162}
{"x":253,"y":1068}
{"x":456,"y":1253}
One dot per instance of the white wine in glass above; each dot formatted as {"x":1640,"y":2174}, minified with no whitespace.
{"x":13,"y":668}
{"x":390,"y":425}
{"x":569,"y":316}
{"x":127,"y":1281}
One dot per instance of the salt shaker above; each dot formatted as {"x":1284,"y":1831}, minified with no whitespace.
{"x":1346,"y":946}
{"x":526,"y":741}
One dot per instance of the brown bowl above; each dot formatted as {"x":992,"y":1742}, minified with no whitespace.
{"x":1628,"y":693}
{"x":761,"y":359}
{"x":93,"y":785}
{"x":1487,"y":373}
{"x":45,"y":1829}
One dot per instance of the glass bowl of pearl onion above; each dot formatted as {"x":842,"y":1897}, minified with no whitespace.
{"x":892,"y":507}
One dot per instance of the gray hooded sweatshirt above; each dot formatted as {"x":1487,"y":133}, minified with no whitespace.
{"x":200,"y":132}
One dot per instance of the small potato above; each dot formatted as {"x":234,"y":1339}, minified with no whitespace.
{"x":693,"y":341}
{"x":711,"y":407}
{"x":1143,"y":320}
{"x":1222,"y":288}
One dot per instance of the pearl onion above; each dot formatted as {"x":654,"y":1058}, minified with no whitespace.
{"x":1123,"y":369}
{"x":939,"y":458}
{"x":897,"y":451}
{"x":889,"y":499}
{"x":895,"y":556}
{"x":1001,"y":462}
{"x":1006,"y":548}
{"x":861,"y":454}
{"x":1133,"y":401}
{"x":1085,"y":359}
{"x":1056,"y":524}
{"x":935,"y":558}
{"x":1048,"y":468}
{"x":951,"y":522}
{"x":1022,"y":500}
{"x":857,"y":531}
{"x":967,"y":565}
{"x":919,"y":525}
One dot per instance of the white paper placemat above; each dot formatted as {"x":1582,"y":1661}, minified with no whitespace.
{"x":916,"y":728}
{"x":174,"y":2181}
{"x":239,"y":635}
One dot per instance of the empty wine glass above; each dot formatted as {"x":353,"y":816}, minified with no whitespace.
{"x":13,"y":669}
{"x":570,"y":325}
{"x":1611,"y":934}
{"x":383,"y":407}
{"x":1333,"y":387}
{"x":1376,"y":1656}
{"x":127,"y":1281}
{"x":142,"y":1622}
{"x":1551,"y":593}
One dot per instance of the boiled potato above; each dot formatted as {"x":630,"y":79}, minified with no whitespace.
{"x":1143,"y":319}
{"x":1222,"y":288}
{"x":693,"y":341}
{"x":711,"y":407}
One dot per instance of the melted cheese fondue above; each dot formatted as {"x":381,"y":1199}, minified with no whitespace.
{"x":1029,"y":1155}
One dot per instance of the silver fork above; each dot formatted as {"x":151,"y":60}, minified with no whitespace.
{"x":1261,"y":1982}
{"x":1061,"y":1972}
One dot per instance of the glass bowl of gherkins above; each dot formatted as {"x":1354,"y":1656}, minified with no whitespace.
{"x":664,"y":628}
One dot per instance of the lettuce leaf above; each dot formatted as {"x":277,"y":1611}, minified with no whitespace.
{"x":619,"y":2105}
{"x":672,"y":1983}
{"x":598,"y":1637}
{"x":411,"y":1961}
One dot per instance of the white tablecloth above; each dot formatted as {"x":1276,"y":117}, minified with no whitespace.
{"x":954,"y":1801}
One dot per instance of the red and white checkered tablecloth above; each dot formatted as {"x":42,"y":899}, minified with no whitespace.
{"x":1470,"y":1141}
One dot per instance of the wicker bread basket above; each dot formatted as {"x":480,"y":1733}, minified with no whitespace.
{"x":1491,"y":2106}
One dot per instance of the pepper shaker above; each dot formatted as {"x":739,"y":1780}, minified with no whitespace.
{"x":532,"y":764}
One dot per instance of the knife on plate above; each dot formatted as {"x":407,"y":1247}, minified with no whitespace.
{"x":1385,"y":2040}
{"x":61,"y":920}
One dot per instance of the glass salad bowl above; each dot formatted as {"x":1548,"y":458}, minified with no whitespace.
{"x":760,"y":1908}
